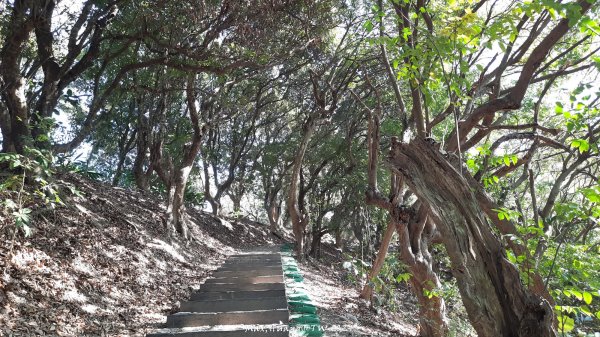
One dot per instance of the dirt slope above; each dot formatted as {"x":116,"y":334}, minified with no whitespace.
{"x":104,"y":265}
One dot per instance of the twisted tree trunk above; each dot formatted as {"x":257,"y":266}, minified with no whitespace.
{"x":497,"y":302}
{"x":299,"y":219}
{"x":175,"y":177}
{"x":415,"y":232}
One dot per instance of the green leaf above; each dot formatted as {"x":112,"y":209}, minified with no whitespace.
{"x":368,"y":25}
{"x":22,"y":216}
{"x":565,"y":323}
{"x":26,"y":230}
{"x":15,"y":163}
{"x":592,"y":194}
{"x":558,"y":108}
{"x":590,"y":26}
{"x":577,"y":294}
{"x":586,"y":310}
{"x":587,"y":298}
{"x":471,"y":164}
{"x":580,"y":144}
{"x":511,"y":258}
{"x":406,"y":32}
{"x":403,"y":277}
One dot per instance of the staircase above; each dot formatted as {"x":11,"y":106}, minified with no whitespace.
{"x":244,"y":297}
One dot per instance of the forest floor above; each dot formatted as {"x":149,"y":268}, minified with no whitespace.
{"x":104,"y":265}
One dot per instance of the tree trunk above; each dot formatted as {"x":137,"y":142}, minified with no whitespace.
{"x":7,"y":144}
{"x":14,"y":96}
{"x":274,"y":211}
{"x":367,"y":291}
{"x":415,"y":232}
{"x":125,"y":146}
{"x":339,"y":240}
{"x":237,"y":203}
{"x":497,"y":302}
{"x":299,"y":219}
{"x":30,"y":127}
{"x":414,"y":237}
{"x":13,"y":84}
{"x":119,"y":170}
{"x":176,"y":215}
{"x":323,"y":110}
{"x":176,"y":178}
{"x":142,"y":146}
{"x":215,"y":206}
{"x":317,"y":234}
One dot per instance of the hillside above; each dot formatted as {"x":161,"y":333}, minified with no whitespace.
{"x":104,"y":265}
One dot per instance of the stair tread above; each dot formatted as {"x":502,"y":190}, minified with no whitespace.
{"x":225,"y":331}
{"x":190,"y":319}
{"x":234,"y":305}
{"x":240,"y":294}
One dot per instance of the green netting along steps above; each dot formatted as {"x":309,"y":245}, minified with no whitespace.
{"x":304,"y":320}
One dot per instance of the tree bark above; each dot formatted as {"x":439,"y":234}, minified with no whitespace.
{"x":414,"y":237}
{"x":367,"y":291}
{"x":13,"y":84}
{"x":7,"y":145}
{"x":415,"y":233}
{"x":274,"y":212}
{"x":299,"y":219}
{"x":174,"y":177}
{"x":176,"y":215}
{"x":28,"y":116}
{"x":143,"y":144}
{"x":339,"y":240}
{"x":497,"y":302}
{"x":237,"y":202}
{"x":125,"y":146}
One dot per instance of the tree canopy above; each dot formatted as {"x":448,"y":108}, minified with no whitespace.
{"x":466,"y":130}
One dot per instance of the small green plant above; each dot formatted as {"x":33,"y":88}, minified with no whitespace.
{"x":18,"y":212}
{"x":73,"y":165}
{"x":356,"y":269}
{"x":195,"y":197}
{"x":27,"y":183}
{"x":393,"y":273}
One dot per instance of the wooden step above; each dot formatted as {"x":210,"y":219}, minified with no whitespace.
{"x":252,"y":262}
{"x":244,"y":297}
{"x":227,"y":295}
{"x":221,"y":287}
{"x":247,"y":273}
{"x":250,"y":267}
{"x":194,"y":319}
{"x":245,"y":280}
{"x":268,"y":303}
{"x":254,"y":255}
{"x":238,"y":331}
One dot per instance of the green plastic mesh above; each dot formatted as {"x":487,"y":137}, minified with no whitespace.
{"x":304,"y":320}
